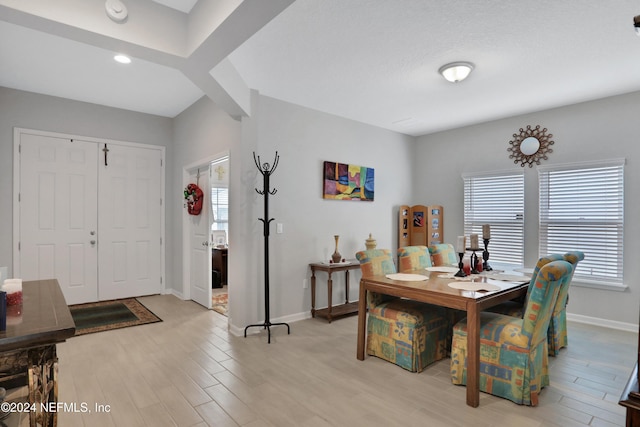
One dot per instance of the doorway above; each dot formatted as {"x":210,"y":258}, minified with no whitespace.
{"x":88,"y":212}
{"x":206,"y":234}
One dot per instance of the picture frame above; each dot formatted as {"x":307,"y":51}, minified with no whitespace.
{"x":219,"y":238}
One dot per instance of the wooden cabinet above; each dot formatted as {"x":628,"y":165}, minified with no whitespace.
{"x":219,"y":264}
{"x":420,"y":225}
{"x":630,"y":398}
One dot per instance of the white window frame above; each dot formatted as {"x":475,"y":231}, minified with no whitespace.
{"x":497,"y":199}
{"x":582,"y":208}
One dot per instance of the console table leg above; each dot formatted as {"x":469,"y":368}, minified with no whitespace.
{"x":346,"y":291}
{"x":43,"y":386}
{"x":313,"y":293}
{"x":330,"y":296}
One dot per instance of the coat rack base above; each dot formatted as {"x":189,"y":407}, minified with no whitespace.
{"x":267,"y":325}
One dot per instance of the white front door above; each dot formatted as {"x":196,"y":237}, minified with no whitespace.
{"x":58,"y":214}
{"x":200,"y":242}
{"x":129,"y":232}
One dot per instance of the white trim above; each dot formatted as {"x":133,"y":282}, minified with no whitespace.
{"x":596,"y":284}
{"x":492,"y":173}
{"x":583,"y":165}
{"x":605,"y":323}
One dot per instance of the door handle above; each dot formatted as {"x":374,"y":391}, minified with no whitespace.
{"x":205,"y":243}
{"x":93,"y":242}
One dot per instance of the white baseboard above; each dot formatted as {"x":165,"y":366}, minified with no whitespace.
{"x":605,"y":323}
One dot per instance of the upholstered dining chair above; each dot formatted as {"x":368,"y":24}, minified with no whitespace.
{"x":557,"y":334}
{"x":407,"y":333}
{"x":514,"y":359}
{"x":443,"y":254}
{"x":413,"y":258}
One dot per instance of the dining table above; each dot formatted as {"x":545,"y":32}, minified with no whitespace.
{"x":472,"y":294}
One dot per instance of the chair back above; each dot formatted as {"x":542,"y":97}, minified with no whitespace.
{"x":443,"y":254}
{"x":541,"y":263}
{"x":413,"y":258}
{"x":543,"y":295}
{"x":376,"y":262}
{"x":573,"y":258}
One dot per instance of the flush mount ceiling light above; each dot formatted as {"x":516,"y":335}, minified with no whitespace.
{"x":123,"y":59}
{"x":116,"y":10}
{"x":456,"y":71}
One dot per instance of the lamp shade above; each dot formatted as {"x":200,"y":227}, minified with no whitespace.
{"x":456,"y":71}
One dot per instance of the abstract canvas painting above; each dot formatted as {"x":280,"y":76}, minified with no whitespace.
{"x":347,"y":182}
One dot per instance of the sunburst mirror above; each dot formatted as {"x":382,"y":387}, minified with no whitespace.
{"x":530,"y":146}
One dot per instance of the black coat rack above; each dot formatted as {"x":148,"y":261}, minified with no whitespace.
{"x":266,"y":170}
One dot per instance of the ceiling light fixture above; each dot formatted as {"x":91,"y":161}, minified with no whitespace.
{"x":123,"y":59}
{"x":636,"y":24}
{"x":456,"y":71}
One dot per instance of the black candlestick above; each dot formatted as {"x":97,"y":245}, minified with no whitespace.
{"x":485,"y":256}
{"x":461,"y":272}
{"x":474,"y":262}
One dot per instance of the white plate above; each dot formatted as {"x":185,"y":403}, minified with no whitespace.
{"x":406,"y":277}
{"x":510,"y":277}
{"x":443,"y":269}
{"x":474,"y":286}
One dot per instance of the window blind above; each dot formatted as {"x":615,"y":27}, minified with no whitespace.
{"x":497,"y":200}
{"x":582,"y":208}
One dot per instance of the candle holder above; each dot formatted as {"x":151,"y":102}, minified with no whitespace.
{"x":485,"y":256}
{"x":460,"y":272}
{"x":473,"y":262}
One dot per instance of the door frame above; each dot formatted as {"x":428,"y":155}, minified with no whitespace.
{"x":17,"y":132}
{"x":186,"y":234}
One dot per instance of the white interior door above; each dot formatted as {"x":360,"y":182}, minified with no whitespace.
{"x":58,"y":214}
{"x":200,"y":241}
{"x":129,"y":232}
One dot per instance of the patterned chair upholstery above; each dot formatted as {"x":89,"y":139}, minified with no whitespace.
{"x":557,"y":333}
{"x":443,"y":254}
{"x":407,"y":333}
{"x":514,"y":358}
{"x":413,"y":258}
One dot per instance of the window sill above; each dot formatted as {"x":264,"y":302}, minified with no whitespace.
{"x":599,"y":285}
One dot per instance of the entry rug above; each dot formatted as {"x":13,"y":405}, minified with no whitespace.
{"x":219,"y":303}
{"x":108,"y":315}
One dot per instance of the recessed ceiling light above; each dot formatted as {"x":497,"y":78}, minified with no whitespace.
{"x":123,"y":59}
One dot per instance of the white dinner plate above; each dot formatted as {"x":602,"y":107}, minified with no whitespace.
{"x":474,"y":286}
{"x":443,"y":269}
{"x":406,"y":277}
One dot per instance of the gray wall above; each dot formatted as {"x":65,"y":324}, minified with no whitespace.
{"x":48,"y":113}
{"x":304,"y":139}
{"x":588,"y":131}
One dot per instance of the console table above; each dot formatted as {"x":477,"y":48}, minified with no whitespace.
{"x":332,"y":311}
{"x":28,"y":347}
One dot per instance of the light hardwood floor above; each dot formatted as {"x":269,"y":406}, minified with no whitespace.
{"x":189,"y":371}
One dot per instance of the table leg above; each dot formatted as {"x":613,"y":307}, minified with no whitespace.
{"x":313,"y":292}
{"x":473,"y":356}
{"x":329,"y":297}
{"x":346,"y":292}
{"x":362,"y":317}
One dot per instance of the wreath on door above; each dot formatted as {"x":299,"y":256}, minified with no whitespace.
{"x":193,"y":195}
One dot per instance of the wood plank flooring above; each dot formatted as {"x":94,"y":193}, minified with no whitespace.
{"x":189,"y":371}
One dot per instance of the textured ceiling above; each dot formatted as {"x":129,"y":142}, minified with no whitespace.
{"x":373,"y":61}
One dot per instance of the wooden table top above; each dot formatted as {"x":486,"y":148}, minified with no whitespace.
{"x":43,"y":319}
